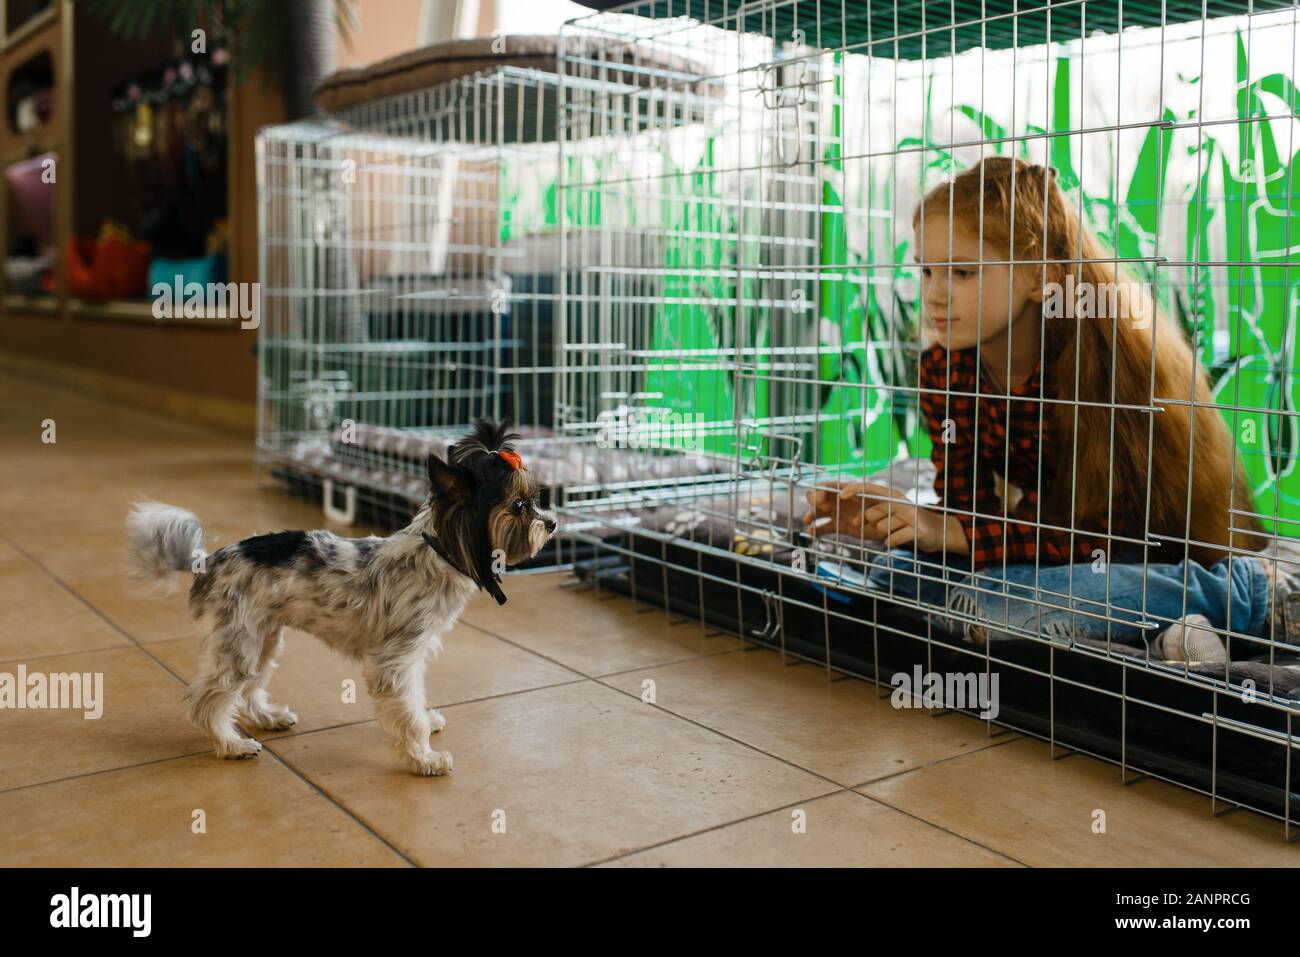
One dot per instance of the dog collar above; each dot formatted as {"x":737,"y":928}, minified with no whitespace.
{"x":443,"y":553}
{"x":494,"y":589}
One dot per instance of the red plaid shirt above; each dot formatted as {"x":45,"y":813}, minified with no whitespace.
{"x":966,"y":466}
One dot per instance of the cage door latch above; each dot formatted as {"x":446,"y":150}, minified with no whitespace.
{"x":786,"y":86}
{"x":772,"y":624}
{"x":346,"y":515}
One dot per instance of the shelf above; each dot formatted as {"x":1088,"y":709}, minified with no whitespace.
{"x":31,"y":27}
{"x":137,"y":310}
{"x":36,"y":61}
{"x":17,"y":302}
{"x":34,"y":143}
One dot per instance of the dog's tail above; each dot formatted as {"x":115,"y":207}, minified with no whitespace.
{"x":160,"y":541}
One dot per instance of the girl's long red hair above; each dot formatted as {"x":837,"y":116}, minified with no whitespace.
{"x":1110,"y":358}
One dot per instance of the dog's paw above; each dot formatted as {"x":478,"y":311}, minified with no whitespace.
{"x":279,"y":720}
{"x":243,"y":748}
{"x":433,"y":763}
{"x":436,"y":721}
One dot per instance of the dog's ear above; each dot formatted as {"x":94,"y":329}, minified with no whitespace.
{"x":448,"y":481}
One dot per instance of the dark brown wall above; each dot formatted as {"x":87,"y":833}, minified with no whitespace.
{"x":209,"y":362}
{"x":103,"y":62}
{"x":217,"y":362}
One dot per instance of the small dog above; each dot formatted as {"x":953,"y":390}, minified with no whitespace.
{"x":384,"y":601}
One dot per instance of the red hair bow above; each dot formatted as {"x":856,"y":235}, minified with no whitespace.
{"x":512,"y":459}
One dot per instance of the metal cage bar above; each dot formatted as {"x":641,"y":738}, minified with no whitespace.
{"x":408,"y":282}
{"x":750,"y":289}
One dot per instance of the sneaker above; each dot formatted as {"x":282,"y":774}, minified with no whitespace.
{"x":1282,"y":560}
{"x":1191,"y":640}
{"x":963,"y":603}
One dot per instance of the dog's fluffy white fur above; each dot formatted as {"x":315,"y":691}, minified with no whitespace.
{"x":384,"y":601}
{"x":160,"y":542}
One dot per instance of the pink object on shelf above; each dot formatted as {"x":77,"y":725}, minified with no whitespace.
{"x":34,"y":198}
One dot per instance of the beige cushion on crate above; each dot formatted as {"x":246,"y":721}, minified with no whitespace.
{"x":453,"y":59}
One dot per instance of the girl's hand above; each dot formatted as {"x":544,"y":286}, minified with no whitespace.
{"x":869,"y":510}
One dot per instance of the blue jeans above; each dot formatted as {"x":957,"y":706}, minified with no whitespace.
{"x":1079,"y":601}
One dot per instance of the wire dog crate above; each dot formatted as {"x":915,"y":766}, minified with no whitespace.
{"x":406,"y":254}
{"x":409,"y":249}
{"x":748,"y":295}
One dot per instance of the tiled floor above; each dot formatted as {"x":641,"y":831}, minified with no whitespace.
{"x":741,"y":759}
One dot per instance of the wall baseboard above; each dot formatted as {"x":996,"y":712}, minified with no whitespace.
{"x":225,"y":415}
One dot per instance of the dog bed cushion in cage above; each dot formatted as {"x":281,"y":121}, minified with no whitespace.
{"x":443,"y":62}
{"x":393,"y":460}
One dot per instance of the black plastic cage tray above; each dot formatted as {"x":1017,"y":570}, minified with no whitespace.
{"x":1074,"y":701}
{"x":914,"y":29}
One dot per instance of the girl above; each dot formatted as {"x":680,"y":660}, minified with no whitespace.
{"x":1058,"y":400}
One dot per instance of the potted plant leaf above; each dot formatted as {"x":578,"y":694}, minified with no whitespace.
{"x":290,"y":40}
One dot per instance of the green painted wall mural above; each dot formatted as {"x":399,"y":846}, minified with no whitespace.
{"x":1201,"y":206}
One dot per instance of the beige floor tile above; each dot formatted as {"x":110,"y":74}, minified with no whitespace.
{"x":73,"y":551}
{"x":580,"y":773}
{"x":146,"y":618}
{"x":1017,"y":801}
{"x":311,"y":676}
{"x":594,"y":633}
{"x":78,"y":548}
{"x":142,"y":720}
{"x":840,"y":830}
{"x":39,"y":617}
{"x":255,"y":814}
{"x":840,"y":729}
